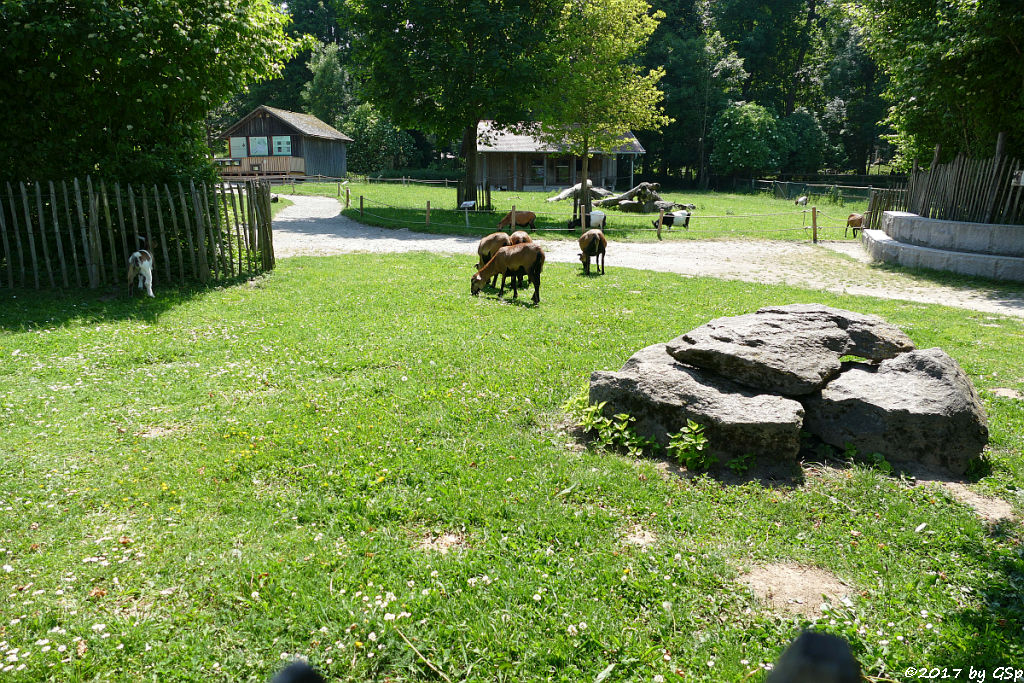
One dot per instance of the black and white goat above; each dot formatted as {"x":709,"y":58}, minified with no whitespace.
{"x":679,"y":216}
{"x":140,"y":266}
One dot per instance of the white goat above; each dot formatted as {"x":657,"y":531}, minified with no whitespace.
{"x":801,"y":201}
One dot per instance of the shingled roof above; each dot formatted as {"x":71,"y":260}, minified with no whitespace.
{"x":490,"y":139}
{"x":305,"y":124}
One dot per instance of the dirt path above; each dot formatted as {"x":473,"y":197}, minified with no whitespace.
{"x":315,"y":226}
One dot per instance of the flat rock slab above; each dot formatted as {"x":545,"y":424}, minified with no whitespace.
{"x":790,"y":350}
{"x":662,"y":393}
{"x":919,"y":407}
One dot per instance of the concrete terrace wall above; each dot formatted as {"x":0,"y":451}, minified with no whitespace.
{"x":977,"y":238}
{"x":980,"y":249}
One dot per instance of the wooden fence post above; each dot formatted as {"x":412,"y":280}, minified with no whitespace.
{"x":661,"y":218}
{"x":115,"y":263}
{"x":814,"y":224}
{"x":42,"y":235}
{"x":71,"y":234}
{"x":7,"y":248}
{"x":94,"y":229}
{"x":514,"y":226}
{"x":428,"y":212}
{"x":360,"y":207}
{"x":31,"y":235}
{"x":348,"y":199}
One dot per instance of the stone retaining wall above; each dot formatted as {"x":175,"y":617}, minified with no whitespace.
{"x":979,"y":249}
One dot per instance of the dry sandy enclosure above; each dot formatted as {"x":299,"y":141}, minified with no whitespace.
{"x":315,"y":226}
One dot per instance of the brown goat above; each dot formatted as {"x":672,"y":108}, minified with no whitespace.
{"x":522,"y":218}
{"x":855,"y":221}
{"x":593,"y":243}
{"x":526,"y":257}
{"x":488,"y":246}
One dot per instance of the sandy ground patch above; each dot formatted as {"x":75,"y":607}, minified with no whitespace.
{"x":638,"y":536}
{"x":442,"y":543}
{"x":793,"y":589}
{"x":315,"y":226}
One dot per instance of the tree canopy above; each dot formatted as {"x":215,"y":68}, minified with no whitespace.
{"x":123,"y":88}
{"x":445,"y":65}
{"x":955,"y":69}
{"x":594,"y":93}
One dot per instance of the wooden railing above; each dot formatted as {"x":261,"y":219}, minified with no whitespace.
{"x":80,"y":233}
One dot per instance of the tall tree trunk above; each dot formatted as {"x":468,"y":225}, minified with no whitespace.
{"x":585,"y":187}
{"x":800,"y":57}
{"x":469,"y":154}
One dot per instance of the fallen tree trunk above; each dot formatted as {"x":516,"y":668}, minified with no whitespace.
{"x":646,"y":194}
{"x":575,"y":190}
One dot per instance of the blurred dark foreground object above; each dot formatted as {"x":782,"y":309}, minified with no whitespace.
{"x":298,"y":672}
{"x":816,"y":658}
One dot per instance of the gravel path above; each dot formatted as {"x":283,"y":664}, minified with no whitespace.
{"x":315,"y":226}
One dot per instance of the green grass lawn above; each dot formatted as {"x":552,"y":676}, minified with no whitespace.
{"x":200,"y":486}
{"x":718,"y":214}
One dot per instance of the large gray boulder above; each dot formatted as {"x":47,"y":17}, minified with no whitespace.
{"x":662,"y":394}
{"x":790,"y":350}
{"x":919,"y":407}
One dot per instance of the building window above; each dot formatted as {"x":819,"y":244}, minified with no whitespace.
{"x":537,"y":172}
{"x":562,"y":172}
{"x":258,"y":147}
{"x":282,"y":145}
{"x":238,"y":148}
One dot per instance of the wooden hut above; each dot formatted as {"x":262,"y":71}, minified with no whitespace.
{"x":520,"y":161}
{"x":271,"y":141}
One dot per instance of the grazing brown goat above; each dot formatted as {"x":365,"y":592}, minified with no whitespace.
{"x":489,"y":246}
{"x":593,"y":243}
{"x":520,"y":237}
{"x":522,"y":218}
{"x":855,"y":221}
{"x":527,"y":257}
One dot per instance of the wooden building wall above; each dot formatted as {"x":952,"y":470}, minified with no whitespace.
{"x":325,"y":157}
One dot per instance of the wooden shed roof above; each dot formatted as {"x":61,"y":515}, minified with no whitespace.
{"x":304,"y":124}
{"x":490,"y":139}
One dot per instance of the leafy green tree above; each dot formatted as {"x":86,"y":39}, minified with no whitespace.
{"x":595,"y":92}
{"x":747,"y":141}
{"x":955,"y":71}
{"x":851,"y":108}
{"x":122,"y":89}
{"x":774,"y":38}
{"x":377,"y":145}
{"x":328,"y":95}
{"x":702,"y":76}
{"x":442,"y":66}
{"x":805,"y":142}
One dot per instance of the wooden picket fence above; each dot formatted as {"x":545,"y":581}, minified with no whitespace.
{"x":972,"y":190}
{"x":80,"y":234}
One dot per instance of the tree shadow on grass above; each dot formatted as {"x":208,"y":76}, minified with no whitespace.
{"x":1010,"y":294}
{"x":29,"y":309}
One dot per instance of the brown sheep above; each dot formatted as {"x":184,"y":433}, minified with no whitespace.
{"x":855,"y":221}
{"x":527,"y":257}
{"x":489,"y":246}
{"x":520,"y":237}
{"x":593,"y":243}
{"x":522,"y":218}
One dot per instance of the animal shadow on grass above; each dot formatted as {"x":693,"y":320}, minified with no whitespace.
{"x":25,"y":309}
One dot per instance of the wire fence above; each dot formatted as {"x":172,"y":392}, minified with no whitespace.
{"x":806,"y":224}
